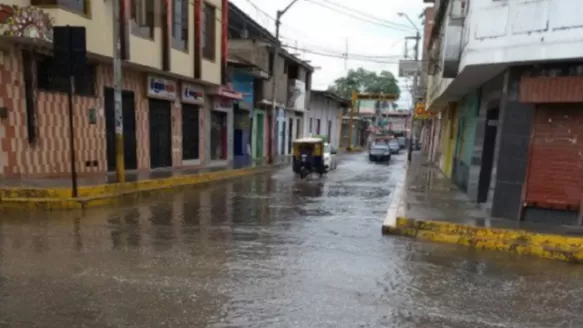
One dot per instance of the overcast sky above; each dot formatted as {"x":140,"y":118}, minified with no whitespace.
{"x":319,"y":26}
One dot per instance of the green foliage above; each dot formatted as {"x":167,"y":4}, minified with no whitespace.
{"x":363,"y":80}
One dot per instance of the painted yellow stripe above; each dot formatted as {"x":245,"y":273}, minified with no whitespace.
{"x":92,"y":196}
{"x":521,"y":242}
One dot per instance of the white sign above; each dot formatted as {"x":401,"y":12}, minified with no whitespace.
{"x":192,"y":94}
{"x":161,"y":88}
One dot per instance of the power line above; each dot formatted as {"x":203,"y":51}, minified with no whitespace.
{"x":341,"y":56}
{"x":378,"y":58}
{"x":343,"y":53}
{"x":258,"y":9}
{"x":384,"y":21}
{"x":367,"y":20}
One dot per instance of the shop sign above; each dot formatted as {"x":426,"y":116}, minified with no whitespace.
{"x":421,"y":113}
{"x":244,"y":83}
{"x":223,"y":104}
{"x":227,"y":91}
{"x":161,"y":88}
{"x":192,"y":94}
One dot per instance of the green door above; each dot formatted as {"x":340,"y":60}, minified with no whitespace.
{"x":260,"y":135}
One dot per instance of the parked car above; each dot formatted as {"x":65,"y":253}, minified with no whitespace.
{"x":379,"y":152}
{"x":394,"y":146}
{"x":330,"y":159}
{"x":402,"y":142}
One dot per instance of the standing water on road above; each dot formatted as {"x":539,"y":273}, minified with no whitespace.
{"x":267,"y":251}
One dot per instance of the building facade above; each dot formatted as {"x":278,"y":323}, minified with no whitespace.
{"x":324,"y":116}
{"x":176,"y":112}
{"x":251,"y":49}
{"x":506,"y":79}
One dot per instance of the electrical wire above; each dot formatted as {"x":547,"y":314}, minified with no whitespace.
{"x":340,"y":56}
{"x":302,"y":45}
{"x":384,"y":21}
{"x":367,"y":20}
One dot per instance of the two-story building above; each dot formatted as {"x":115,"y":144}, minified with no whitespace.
{"x":252,"y":47}
{"x":176,"y":112}
{"x":507,"y":77}
{"x":324,"y":116}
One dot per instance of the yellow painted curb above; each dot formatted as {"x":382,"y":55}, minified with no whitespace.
{"x":520,"y":242}
{"x":100,"y":195}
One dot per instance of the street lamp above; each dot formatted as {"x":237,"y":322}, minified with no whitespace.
{"x":401,"y":14}
{"x":274,"y":121}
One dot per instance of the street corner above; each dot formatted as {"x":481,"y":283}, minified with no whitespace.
{"x":395,"y":211}
{"x":514,"y":241}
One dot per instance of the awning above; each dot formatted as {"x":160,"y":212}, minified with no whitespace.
{"x":227,"y":91}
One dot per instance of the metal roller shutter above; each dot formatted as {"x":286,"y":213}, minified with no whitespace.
{"x":556,"y":157}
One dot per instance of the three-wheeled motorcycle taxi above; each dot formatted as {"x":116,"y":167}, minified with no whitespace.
{"x":308,"y":156}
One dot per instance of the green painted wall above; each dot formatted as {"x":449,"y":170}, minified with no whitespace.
{"x":467,"y":120}
{"x":257,"y":113}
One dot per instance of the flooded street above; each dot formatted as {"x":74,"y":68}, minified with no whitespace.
{"x":267,"y":251}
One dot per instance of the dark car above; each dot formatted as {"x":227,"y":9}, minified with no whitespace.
{"x":402,"y":142}
{"x":379,"y":152}
{"x":394,"y":146}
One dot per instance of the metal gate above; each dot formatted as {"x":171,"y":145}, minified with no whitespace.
{"x":554,"y":176}
{"x":160,"y":133}
{"x":190,"y":132}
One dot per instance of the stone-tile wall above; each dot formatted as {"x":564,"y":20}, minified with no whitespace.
{"x":49,"y":156}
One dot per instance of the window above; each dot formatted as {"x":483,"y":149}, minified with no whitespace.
{"x":180,"y":24}
{"x":208,"y":32}
{"x":318,"y":126}
{"x":144,"y":26}
{"x":47,"y":79}
{"x":310,"y":125}
{"x":77,"y":6}
{"x":329,"y":130}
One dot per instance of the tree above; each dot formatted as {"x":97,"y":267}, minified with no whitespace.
{"x":362,"y":80}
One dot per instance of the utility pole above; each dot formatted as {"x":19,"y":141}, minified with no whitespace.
{"x":414,"y":95}
{"x":351,"y":120}
{"x":272,"y":139}
{"x":117,"y":95}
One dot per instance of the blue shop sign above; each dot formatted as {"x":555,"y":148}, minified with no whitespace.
{"x":244,"y":83}
{"x":161,"y":88}
{"x":192,"y":94}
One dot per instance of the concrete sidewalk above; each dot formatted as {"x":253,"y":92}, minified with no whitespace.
{"x":49,"y":194}
{"x":427,"y":205}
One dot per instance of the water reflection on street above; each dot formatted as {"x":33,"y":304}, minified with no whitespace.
{"x":267,"y":251}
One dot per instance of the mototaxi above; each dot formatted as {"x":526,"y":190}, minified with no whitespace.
{"x":308,"y":156}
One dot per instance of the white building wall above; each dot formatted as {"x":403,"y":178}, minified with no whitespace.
{"x":510,"y":31}
{"x":326,"y":110}
{"x":501,"y":33}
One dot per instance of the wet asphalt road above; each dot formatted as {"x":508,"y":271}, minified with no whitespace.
{"x":267,"y":251}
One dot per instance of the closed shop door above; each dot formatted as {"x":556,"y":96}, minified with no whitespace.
{"x":218,"y":135}
{"x":190,"y":132}
{"x":554,"y":174}
{"x":160,"y":133}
